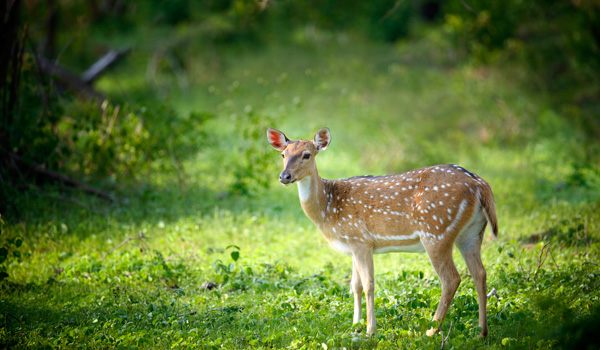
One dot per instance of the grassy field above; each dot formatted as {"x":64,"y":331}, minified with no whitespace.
{"x":91,"y":274}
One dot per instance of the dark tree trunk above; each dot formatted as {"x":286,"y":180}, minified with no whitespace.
{"x":49,"y":49}
{"x":11,"y":53}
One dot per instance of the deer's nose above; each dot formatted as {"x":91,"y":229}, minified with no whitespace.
{"x":285,"y":177}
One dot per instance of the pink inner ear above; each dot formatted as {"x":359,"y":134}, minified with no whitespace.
{"x":277,"y":140}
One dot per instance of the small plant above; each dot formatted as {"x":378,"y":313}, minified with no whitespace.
{"x":227,"y":271}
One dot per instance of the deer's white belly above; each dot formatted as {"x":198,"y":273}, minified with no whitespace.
{"x":344,"y":248}
{"x":399,"y":248}
{"x":411,"y":248}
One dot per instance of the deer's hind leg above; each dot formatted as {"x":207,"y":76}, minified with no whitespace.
{"x":470,"y":248}
{"x":440,"y":255}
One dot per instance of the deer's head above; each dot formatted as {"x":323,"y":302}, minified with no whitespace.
{"x":298,"y":156}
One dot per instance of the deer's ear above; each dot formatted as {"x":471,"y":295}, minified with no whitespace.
{"x":277,"y":139}
{"x":322,"y":139}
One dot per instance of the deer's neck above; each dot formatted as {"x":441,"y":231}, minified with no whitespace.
{"x":312,"y":197}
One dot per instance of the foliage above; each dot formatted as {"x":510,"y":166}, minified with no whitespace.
{"x":250,"y":165}
{"x":382,"y":20}
{"x":120,"y":142}
{"x":571,"y":36}
{"x":113,"y":144}
{"x":103,"y":141}
{"x":30,"y":129}
{"x":556,"y":40}
{"x":9,"y":249}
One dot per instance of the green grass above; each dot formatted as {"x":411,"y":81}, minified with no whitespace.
{"x":390,"y":109}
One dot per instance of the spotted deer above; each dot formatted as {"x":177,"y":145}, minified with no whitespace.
{"x":424,"y":210}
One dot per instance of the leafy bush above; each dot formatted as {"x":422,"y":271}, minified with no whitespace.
{"x":103,"y":142}
{"x":252,"y":167}
{"x":557,"y":40}
{"x":381,"y":19}
{"x":111,"y":144}
{"x":120,"y":142}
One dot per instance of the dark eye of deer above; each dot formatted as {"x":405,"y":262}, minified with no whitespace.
{"x":306,"y":156}
{"x":282,"y":155}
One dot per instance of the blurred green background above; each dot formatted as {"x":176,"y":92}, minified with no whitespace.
{"x":121,"y":197}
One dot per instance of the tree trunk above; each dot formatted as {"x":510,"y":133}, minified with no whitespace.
{"x":49,"y":49}
{"x":11,"y":53}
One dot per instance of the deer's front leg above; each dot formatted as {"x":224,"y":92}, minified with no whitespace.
{"x":357,"y":290}
{"x":364,"y":262}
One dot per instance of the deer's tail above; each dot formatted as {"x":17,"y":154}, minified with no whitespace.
{"x":489,"y":209}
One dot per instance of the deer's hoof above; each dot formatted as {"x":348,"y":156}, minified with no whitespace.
{"x":431,"y":332}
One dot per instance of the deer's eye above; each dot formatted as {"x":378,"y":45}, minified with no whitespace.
{"x":282,"y":155}
{"x":306,"y":156}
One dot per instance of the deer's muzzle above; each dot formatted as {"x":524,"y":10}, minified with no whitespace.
{"x":285,"y":178}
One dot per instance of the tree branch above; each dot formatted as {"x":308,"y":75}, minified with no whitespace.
{"x":492,"y":293}
{"x":68,"y":199}
{"x":391,"y":11}
{"x":56,"y":176}
{"x":20,"y":320}
{"x":541,"y":259}
{"x":96,"y":69}
{"x":472,"y":10}
{"x":70,"y":80}
{"x":130,"y":238}
{"x":444,"y":340}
